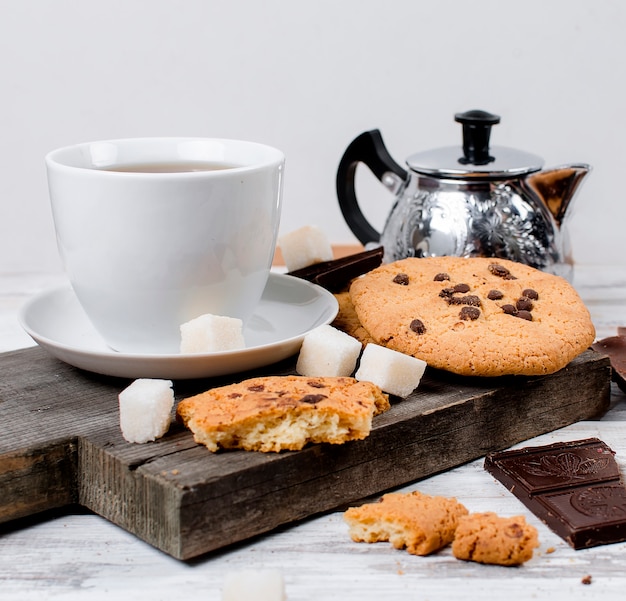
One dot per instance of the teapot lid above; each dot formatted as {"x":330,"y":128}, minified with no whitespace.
{"x":475,"y":160}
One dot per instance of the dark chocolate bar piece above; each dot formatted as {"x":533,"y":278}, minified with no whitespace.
{"x":574,"y":487}
{"x":615,"y":348}
{"x":336,"y":274}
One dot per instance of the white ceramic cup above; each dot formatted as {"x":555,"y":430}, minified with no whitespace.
{"x":146,"y":252}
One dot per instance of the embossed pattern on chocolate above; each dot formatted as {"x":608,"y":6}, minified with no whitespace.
{"x":574,"y":487}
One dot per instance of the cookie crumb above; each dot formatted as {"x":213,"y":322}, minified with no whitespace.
{"x":586,"y":579}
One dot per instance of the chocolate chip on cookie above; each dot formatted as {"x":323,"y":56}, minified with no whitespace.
{"x":509,"y":309}
{"x":417,"y":325}
{"x":402,"y":279}
{"x":495,"y":295}
{"x":501,"y":271}
{"x":440,"y":277}
{"x":524,"y":304}
{"x":469,"y":313}
{"x":313,"y":398}
{"x":498,"y":270}
{"x":469,"y":299}
{"x":530,"y":293}
{"x":524,"y":315}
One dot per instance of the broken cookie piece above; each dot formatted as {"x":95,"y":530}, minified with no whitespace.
{"x":276,"y":413}
{"x":418,"y":522}
{"x":491,"y":539}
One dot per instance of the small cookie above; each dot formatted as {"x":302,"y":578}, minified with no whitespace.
{"x":276,"y":413}
{"x":420,"y":523}
{"x":347,"y":320}
{"x":474,"y":316}
{"x":488,"y":538}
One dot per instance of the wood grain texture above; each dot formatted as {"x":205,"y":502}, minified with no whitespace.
{"x":78,"y":555}
{"x":75,"y":555}
{"x":63,"y":445}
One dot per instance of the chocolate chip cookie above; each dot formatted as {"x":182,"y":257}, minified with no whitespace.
{"x":275,"y":413}
{"x":474,"y":316}
{"x":347,"y":320}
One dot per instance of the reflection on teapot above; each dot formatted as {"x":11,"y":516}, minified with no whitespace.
{"x":470,"y":201}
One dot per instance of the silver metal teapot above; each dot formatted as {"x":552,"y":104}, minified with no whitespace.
{"x":466,"y":201}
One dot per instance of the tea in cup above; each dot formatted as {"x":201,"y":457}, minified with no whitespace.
{"x":154,"y":232}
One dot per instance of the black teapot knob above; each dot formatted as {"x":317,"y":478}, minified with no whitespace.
{"x":476,"y":131}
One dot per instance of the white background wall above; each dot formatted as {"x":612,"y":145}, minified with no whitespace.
{"x":308,"y":77}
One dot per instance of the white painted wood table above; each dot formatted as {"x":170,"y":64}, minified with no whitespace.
{"x":77,"y":555}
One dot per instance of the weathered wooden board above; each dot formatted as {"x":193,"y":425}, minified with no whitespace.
{"x":60,"y":444}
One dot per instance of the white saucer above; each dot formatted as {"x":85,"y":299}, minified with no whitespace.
{"x":289,"y":309}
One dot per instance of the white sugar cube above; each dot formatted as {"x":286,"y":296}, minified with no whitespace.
{"x":254,"y":585}
{"x":211,"y":333}
{"x":327,"y":352}
{"x":145,"y":409}
{"x":305,"y":246}
{"x":392,"y":371}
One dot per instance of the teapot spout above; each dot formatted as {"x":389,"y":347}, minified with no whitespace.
{"x":557,"y":187}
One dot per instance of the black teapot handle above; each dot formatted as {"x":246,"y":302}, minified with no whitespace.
{"x":368,"y":148}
